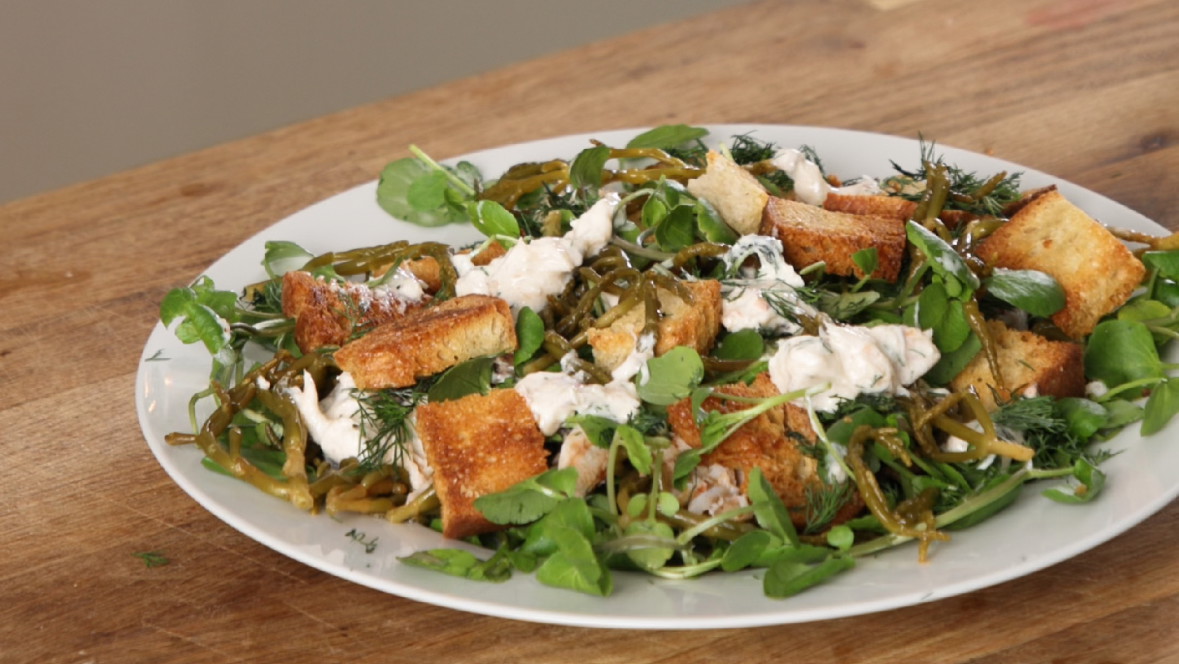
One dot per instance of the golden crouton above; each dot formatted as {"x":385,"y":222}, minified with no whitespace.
{"x":478,"y":445}
{"x":1048,"y":233}
{"x":682,"y":323}
{"x":769,"y":441}
{"x":810,"y":234}
{"x":428,"y":341}
{"x":735,"y":193}
{"x":877,"y":206}
{"x":1027,"y":362}
{"x":327,"y":313}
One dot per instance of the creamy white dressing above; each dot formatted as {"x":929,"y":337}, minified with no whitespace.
{"x":853,"y":360}
{"x":334,"y":422}
{"x":809,"y":184}
{"x":745,"y":305}
{"x":554,"y":397}
{"x":533,"y":270}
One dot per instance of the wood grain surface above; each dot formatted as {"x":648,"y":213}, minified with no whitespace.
{"x":1085,"y":89}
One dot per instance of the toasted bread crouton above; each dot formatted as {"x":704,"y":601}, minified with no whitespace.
{"x":889,"y":206}
{"x":1097,"y":272}
{"x":428,"y":341}
{"x":769,"y":441}
{"x":327,"y":313}
{"x":810,"y":234}
{"x":1028,"y":362}
{"x":735,"y":193}
{"x":872,"y":205}
{"x":477,"y":445}
{"x":681,"y":323}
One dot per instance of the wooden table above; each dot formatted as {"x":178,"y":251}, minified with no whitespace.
{"x":1085,"y":89}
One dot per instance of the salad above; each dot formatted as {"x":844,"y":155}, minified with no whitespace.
{"x":656,"y":362}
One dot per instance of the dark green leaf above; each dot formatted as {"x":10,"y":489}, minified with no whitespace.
{"x":945,"y":316}
{"x":1089,"y":479}
{"x":769,"y":510}
{"x":1166,"y":262}
{"x":574,"y":565}
{"x":470,"y":377}
{"x":712,"y":227}
{"x":491,"y":218}
{"x":786,"y":579}
{"x":282,"y":257}
{"x":667,"y":136}
{"x":942,"y":257}
{"x":951,"y":364}
{"x":866,"y":260}
{"x":393,"y":194}
{"x":1031,"y":290}
{"x":1160,"y":407}
{"x":746,"y":550}
{"x":530,"y":499}
{"x":742,"y":345}
{"x":1121,"y":351}
{"x":676,"y":231}
{"x":529,"y":335}
{"x":671,"y":376}
{"x":586,"y":170}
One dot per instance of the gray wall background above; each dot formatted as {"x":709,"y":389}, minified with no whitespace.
{"x":89,"y":88}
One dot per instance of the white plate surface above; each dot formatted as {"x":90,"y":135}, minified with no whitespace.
{"x":1031,"y":535}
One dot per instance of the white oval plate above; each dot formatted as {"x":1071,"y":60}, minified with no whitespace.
{"x":1032,"y":534}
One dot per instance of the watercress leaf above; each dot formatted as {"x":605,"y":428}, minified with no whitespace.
{"x":1031,"y":290}
{"x":1089,"y":482}
{"x":1160,"y":407}
{"x":635,"y":444}
{"x":841,"y":537}
{"x":991,"y":508}
{"x":671,"y":376}
{"x":599,"y":430}
{"x":1166,"y":262}
{"x":952,"y":363}
{"x":574,"y":565}
{"x":462,"y":563}
{"x":654,"y":556}
{"x":1121,"y":413}
{"x":562,"y":481}
{"x":654,"y":212}
{"x":427,"y":192}
{"x":1166,"y":291}
{"x":175,"y":304}
{"x":1082,"y":417}
{"x":785,"y":578}
{"x":530,"y":499}
{"x":712,"y":227}
{"x":282,"y":257}
{"x":393,"y":195}
{"x":1120,"y":351}
{"x":942,"y":257}
{"x":586,"y":169}
{"x":529,"y":335}
{"x":668,"y":504}
{"x":667,"y":136}
{"x":470,"y":377}
{"x":741,"y":345}
{"x":676,"y":231}
{"x":491,"y":218}
{"x":203,"y":324}
{"x":946,"y":317}
{"x":866,"y":260}
{"x":637,"y":506}
{"x":769,"y":510}
{"x":746,"y":550}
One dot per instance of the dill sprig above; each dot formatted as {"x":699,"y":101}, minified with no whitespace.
{"x":823,"y":502}
{"x":968,"y":190}
{"x":385,"y":424}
